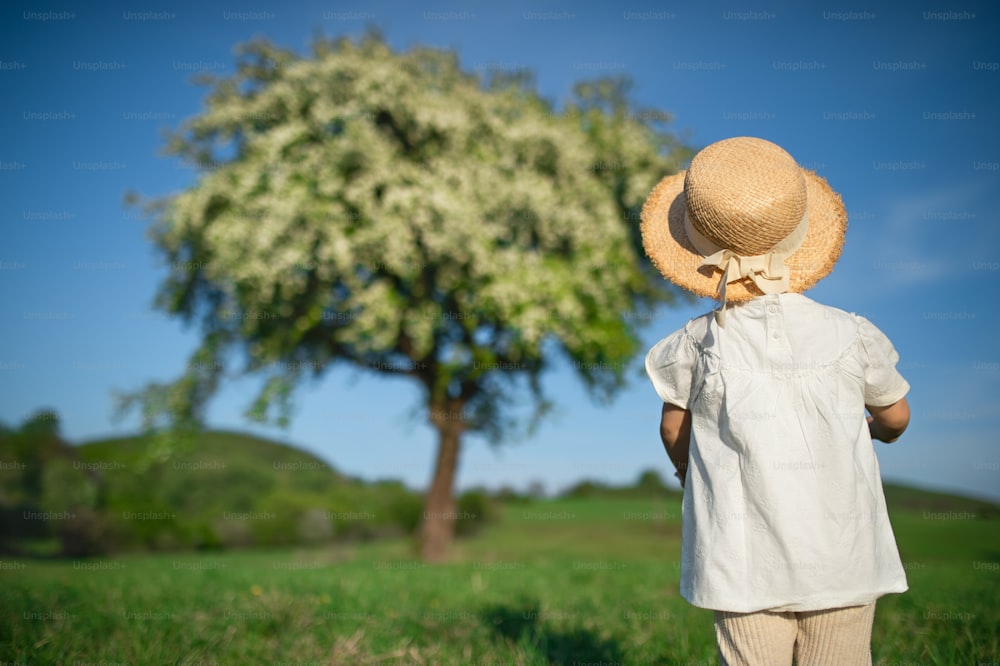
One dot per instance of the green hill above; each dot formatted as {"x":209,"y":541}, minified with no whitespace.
{"x":221,"y":469}
{"x":908,"y":498}
{"x":232,"y":489}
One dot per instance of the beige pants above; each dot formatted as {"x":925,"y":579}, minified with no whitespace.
{"x":836,"y":637}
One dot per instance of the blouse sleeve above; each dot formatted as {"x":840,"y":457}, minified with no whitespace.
{"x":883,"y":383}
{"x":669,"y":365}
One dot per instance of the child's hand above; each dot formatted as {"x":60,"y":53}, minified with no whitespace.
{"x":871,"y":428}
{"x":875,"y":431}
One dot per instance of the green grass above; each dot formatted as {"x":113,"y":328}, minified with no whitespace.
{"x":560,"y":582}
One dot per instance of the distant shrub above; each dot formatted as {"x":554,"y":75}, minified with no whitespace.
{"x":406,"y":511}
{"x":83,"y":534}
{"x":509,"y":495}
{"x":315,"y":526}
{"x":585,"y":489}
{"x":233,"y":533}
{"x":65,"y":487}
{"x":651,"y":483}
{"x":475,"y":510}
{"x":14,"y":528}
{"x":204,"y":537}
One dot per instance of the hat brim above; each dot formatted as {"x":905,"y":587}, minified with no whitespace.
{"x":665,"y":241}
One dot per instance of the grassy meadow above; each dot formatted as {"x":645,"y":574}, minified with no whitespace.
{"x":570,"y":581}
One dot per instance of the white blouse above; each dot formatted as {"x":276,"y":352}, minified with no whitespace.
{"x":783,"y":506}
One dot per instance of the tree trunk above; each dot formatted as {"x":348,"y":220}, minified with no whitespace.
{"x":438,"y":526}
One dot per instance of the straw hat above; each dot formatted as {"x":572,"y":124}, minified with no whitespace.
{"x":742,"y":221}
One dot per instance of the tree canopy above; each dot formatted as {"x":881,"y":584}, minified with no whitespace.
{"x":396,"y":213}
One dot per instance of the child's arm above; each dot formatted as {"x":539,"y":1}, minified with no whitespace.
{"x":888,"y":423}
{"x":675,"y":431}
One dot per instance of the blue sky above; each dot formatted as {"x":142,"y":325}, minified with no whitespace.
{"x":896,"y":106}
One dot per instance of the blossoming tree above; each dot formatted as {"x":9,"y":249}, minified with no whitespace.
{"x":393,"y":212}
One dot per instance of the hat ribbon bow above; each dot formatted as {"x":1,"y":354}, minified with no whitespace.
{"x":767,"y":271}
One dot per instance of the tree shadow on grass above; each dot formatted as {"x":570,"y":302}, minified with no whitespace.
{"x":524,"y":621}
